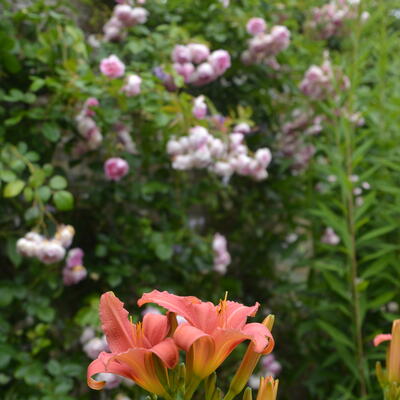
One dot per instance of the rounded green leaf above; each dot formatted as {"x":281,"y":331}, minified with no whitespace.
{"x":58,"y":182}
{"x":14,"y":188}
{"x":7,"y":176}
{"x":63,"y":200}
{"x":44,"y":193}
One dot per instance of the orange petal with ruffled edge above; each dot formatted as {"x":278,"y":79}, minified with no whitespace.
{"x":115,"y":323}
{"x":378,"y":339}
{"x":143,"y":369}
{"x":105,"y":363}
{"x":181,"y":305}
{"x":260,"y":336}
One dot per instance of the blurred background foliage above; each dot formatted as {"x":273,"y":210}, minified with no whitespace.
{"x":154,"y":229}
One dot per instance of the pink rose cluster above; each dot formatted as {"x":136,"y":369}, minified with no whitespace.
{"x":330,"y":19}
{"x":115,"y":168}
{"x":48,"y":251}
{"x":321,"y":82}
{"x":124,"y":16}
{"x":113,"y":67}
{"x":222,"y":258}
{"x":200,"y":150}
{"x":197,"y":65}
{"x":264,"y":47}
{"x":87,"y":126}
{"x":74,"y":271}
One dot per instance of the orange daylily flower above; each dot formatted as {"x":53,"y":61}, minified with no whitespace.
{"x":393,"y":355}
{"x":211,"y":332}
{"x":141,"y":352}
{"x":268,"y":388}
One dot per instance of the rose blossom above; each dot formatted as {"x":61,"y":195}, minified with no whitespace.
{"x":112,"y":67}
{"x":220,"y":61}
{"x":256,"y":25}
{"x":115,"y":168}
{"x":199,"y":109}
{"x":132,"y":86}
{"x":50,"y":251}
{"x":198,"y":52}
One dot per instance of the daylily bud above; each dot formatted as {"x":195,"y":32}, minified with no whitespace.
{"x":268,"y":389}
{"x":249,"y":363}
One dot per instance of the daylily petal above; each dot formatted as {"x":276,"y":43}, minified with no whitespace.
{"x":167,"y":352}
{"x":142,"y":368}
{"x":115,"y":323}
{"x":382,"y":338}
{"x":178,"y":304}
{"x":155,"y":328}
{"x":104,"y":363}
{"x":185,"y":335}
{"x":238,"y":313}
{"x":260,"y":336}
{"x":200,"y":358}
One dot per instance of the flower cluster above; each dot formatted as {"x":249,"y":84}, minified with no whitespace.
{"x":74,"y":271}
{"x":145,"y":352}
{"x":291,"y":140}
{"x":330,"y":19}
{"x":264,"y":47}
{"x":124,"y":16}
{"x":87,"y":126}
{"x":48,"y":251}
{"x":200,"y":149}
{"x":222,"y":258}
{"x":321,"y":82}
{"x":197,"y":65}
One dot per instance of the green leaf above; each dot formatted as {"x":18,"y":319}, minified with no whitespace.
{"x":44,"y":193}
{"x":51,"y":132}
{"x":63,"y":200}
{"x":335,"y":333}
{"x":37,"y":178}
{"x":14,"y":188}
{"x":58,"y":182}
{"x":7,"y":176}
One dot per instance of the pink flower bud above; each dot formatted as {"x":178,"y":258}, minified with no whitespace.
{"x":174,"y":147}
{"x":94,"y":347}
{"x":198,"y":52}
{"x":199,"y":109}
{"x":112,"y":67}
{"x":220,"y":61}
{"x":181,"y":54}
{"x":139,"y":15}
{"x":50,"y":251}
{"x":263,"y":156}
{"x":243,"y":128}
{"x":115,"y":168}
{"x":89,"y":104}
{"x":256,"y":25}
{"x":75,"y":257}
{"x":204,"y":74}
{"x":123,"y":13}
{"x":132,"y":86}
{"x":27,"y":248}
{"x":65,"y":235}
{"x":72,"y":276}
